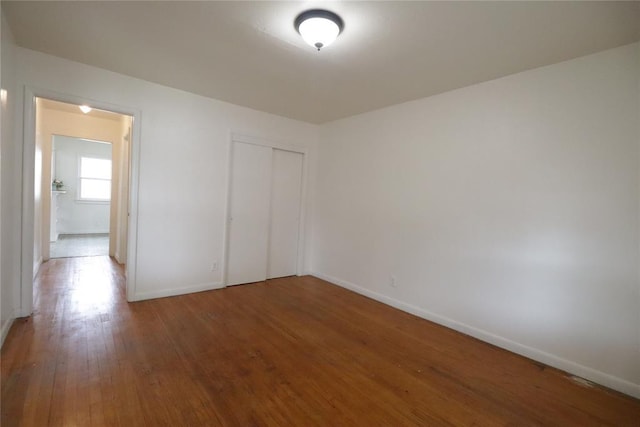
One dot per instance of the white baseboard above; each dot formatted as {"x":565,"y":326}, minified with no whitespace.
{"x":140,"y":296}
{"x":5,"y":328}
{"x":36,"y":266}
{"x":75,"y":232}
{"x":590,"y":374}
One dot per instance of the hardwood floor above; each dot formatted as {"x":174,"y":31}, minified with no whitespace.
{"x":293,"y":351}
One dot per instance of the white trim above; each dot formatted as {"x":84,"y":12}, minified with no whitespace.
{"x":28,"y":164}
{"x":118,"y":257}
{"x":6,"y":327}
{"x":266,"y":142}
{"x":178,"y":291}
{"x":227,"y":213}
{"x":274,"y":144}
{"x":267,"y":273}
{"x":36,"y":266}
{"x":302,"y":223}
{"x":27,"y":218}
{"x":92,"y":201}
{"x":85,"y":231}
{"x":132,"y":227}
{"x":638,"y":231}
{"x":591,"y":374}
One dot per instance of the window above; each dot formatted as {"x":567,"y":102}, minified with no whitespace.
{"x":95,"y":179}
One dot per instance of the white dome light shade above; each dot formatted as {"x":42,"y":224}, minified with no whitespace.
{"x":319,"y":28}
{"x":319,"y":32}
{"x":85,"y":108}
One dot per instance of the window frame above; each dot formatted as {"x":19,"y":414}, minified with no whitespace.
{"x":79,"y":197}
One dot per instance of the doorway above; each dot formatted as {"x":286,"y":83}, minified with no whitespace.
{"x":82,"y":172}
{"x":35,"y":232}
{"x":82,"y":157}
{"x":37,"y":177}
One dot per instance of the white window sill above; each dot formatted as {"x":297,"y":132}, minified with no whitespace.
{"x":93,"y":202}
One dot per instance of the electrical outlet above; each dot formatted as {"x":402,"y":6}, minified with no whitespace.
{"x":214,"y":266}
{"x":392,"y":282}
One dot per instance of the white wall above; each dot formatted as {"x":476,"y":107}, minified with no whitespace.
{"x":10,"y":188}
{"x":507,"y":209}
{"x":183,"y":166}
{"x":74,"y":216}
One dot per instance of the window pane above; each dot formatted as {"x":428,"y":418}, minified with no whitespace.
{"x":95,"y":168}
{"x":95,"y":189}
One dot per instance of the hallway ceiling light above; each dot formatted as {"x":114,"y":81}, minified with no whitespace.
{"x":85,"y":108}
{"x":318,"y":27}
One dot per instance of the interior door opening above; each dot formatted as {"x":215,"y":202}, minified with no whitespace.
{"x":47,"y":114}
{"x":81,"y":187}
{"x":82,"y":177}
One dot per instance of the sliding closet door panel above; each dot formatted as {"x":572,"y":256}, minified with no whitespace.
{"x":249,"y":213}
{"x":286,"y":189}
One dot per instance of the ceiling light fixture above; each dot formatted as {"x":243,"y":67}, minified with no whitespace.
{"x":318,"y":27}
{"x":85,"y":108}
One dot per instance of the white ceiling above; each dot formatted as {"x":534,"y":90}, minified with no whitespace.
{"x":248,"y":53}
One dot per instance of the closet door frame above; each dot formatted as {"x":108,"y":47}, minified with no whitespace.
{"x":274,"y":144}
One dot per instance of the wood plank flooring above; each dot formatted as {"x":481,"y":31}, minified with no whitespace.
{"x":288,"y":352}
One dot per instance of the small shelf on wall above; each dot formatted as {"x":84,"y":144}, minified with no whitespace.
{"x":59,"y":191}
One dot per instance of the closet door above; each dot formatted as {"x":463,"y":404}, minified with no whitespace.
{"x":286,"y":194}
{"x":249,"y":213}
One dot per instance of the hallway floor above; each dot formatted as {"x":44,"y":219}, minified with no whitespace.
{"x":77,"y":245}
